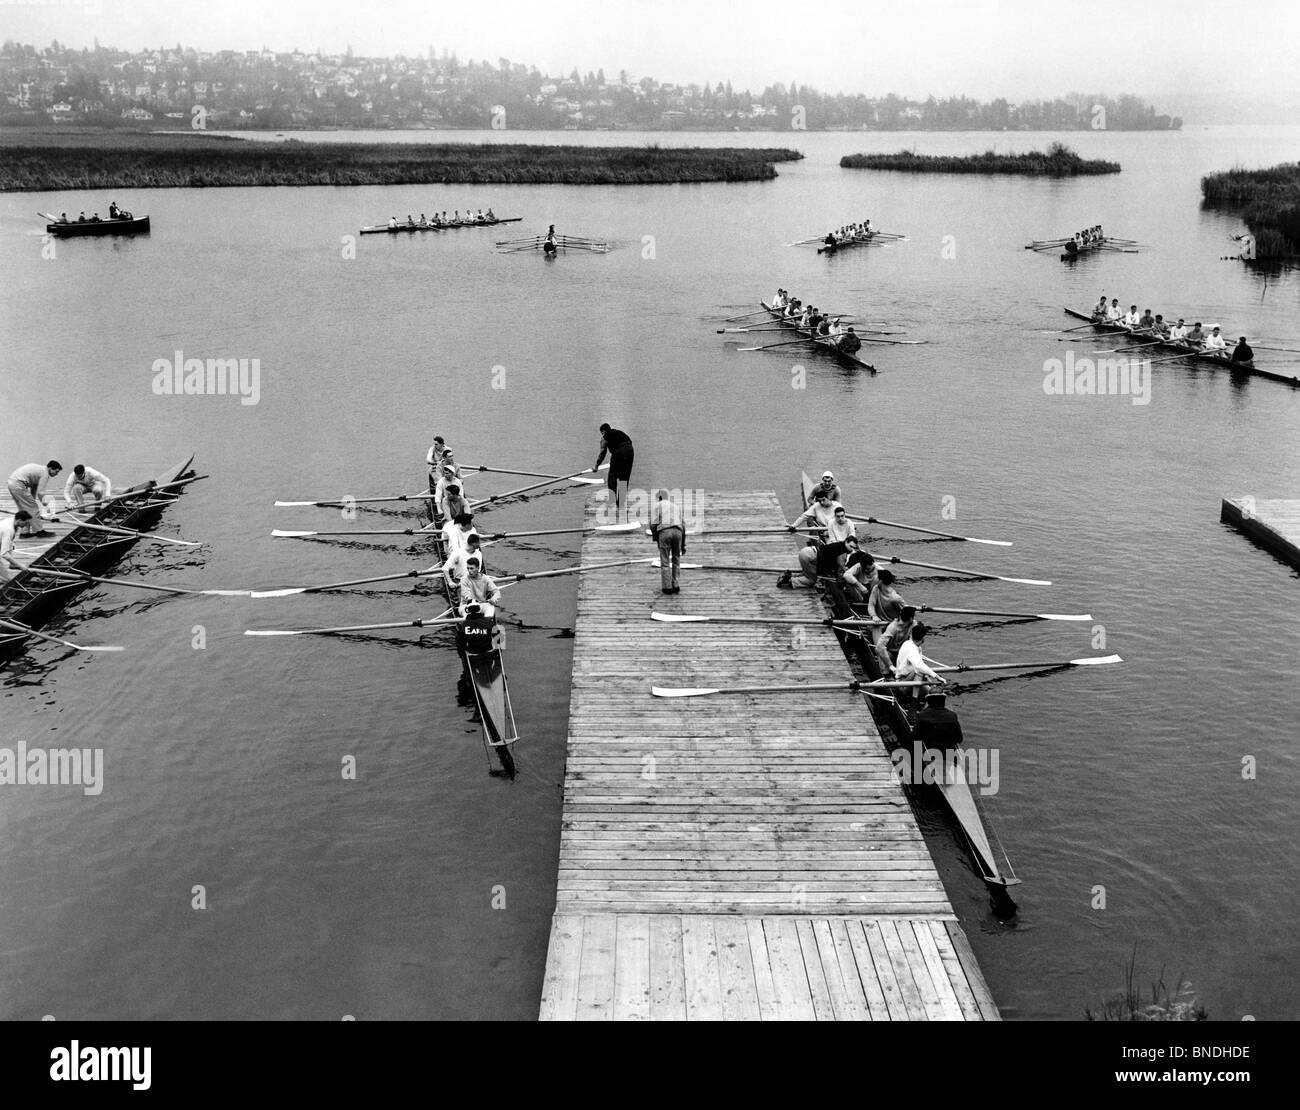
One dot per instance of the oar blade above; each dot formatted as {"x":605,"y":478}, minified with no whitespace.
{"x":1022,"y":581}
{"x":1064,"y":616}
{"x":280,"y":533}
{"x":630,"y":526}
{"x":991,"y":543}
{"x":280,"y":593}
{"x":271,"y":632}
{"x":680,"y":566}
{"x":682,"y":692}
{"x":675,"y":618}
{"x":1096,"y":660}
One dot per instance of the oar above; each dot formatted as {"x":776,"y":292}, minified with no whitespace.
{"x":280,"y":533}
{"x":1174,"y":358}
{"x":47,"y":216}
{"x":714,"y":566}
{"x":436,"y":622}
{"x":959,"y":570}
{"x":927,"y":531}
{"x":890,"y":342}
{"x":1001,"y":613}
{"x":703,"y":691}
{"x":1130,"y":347}
{"x":785,"y":343}
{"x":573,"y":570}
{"x":1287,"y":350}
{"x":131,"y":532}
{"x":295,"y":590}
{"x":424,"y":495}
{"x":1079,"y":328}
{"x":528,"y":473}
{"x":16,"y":626}
{"x":536,"y":485}
{"x":1089,"y":661}
{"x":77,"y":576}
{"x":630,"y":526}
{"x":674,"y":618}
{"x":151,"y":490}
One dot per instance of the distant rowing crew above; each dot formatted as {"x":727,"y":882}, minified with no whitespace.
{"x":1194,"y":338}
{"x":849,"y":233}
{"x":1088,"y":237}
{"x":443,"y":220}
{"x":819,"y":325}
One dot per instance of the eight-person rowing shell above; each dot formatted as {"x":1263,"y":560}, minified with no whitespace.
{"x":822,"y":328}
{"x":1194,"y":338}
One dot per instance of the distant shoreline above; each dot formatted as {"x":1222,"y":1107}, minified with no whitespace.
{"x":113,"y":159}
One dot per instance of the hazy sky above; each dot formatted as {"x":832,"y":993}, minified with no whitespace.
{"x":984,"y":48}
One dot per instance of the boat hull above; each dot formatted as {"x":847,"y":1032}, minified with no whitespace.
{"x":898,"y":732}
{"x":135,"y":226}
{"x":384,"y":229}
{"x":1087,"y":248}
{"x":842,"y":357}
{"x":832,"y":248}
{"x":34,"y":600}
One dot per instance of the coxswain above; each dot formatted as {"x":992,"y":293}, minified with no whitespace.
{"x":1242,"y":351}
{"x":25,"y":488}
{"x":911,"y":665}
{"x":85,"y":481}
{"x":830,"y":239}
{"x":1195,"y":337}
{"x":1072,"y":246}
{"x":828,"y":486}
{"x":477,"y":589}
{"x":1147,"y":322}
{"x":1215,"y":341}
{"x":618,"y":445}
{"x":936,"y":725}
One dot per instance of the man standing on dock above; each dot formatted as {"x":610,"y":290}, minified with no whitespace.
{"x":9,"y":566}
{"x":25,"y":487}
{"x":618,"y":445}
{"x":668,"y":532}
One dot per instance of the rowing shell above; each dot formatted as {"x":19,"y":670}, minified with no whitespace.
{"x":380,"y":229}
{"x":1087,"y":248}
{"x":1224,"y":360}
{"x":860,"y":241}
{"x":843,"y":357}
{"x":956,"y":794}
{"x":484,"y":671}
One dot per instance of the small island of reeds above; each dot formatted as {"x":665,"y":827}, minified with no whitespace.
{"x":160,"y":160}
{"x":1057,"y":161}
{"x":1268,"y":201}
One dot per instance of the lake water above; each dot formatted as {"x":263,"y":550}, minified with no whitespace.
{"x":376,"y":897}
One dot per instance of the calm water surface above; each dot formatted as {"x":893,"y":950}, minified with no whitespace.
{"x":375,"y":897}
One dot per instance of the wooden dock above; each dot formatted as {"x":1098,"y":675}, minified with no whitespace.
{"x":737,"y":857}
{"x":1274,"y":525}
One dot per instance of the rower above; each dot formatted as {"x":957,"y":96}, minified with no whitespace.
{"x":1178,"y":333}
{"x":434,"y":459}
{"x":841,"y":526}
{"x":410,"y":220}
{"x":1147,"y":322}
{"x":826,"y":560}
{"x":448,"y":475}
{"x":827,"y":486}
{"x":478,"y":592}
{"x":1215,"y":341}
{"x":1099,"y":309}
{"x":894,"y":635}
{"x":911,"y":663}
{"x":9,"y":565}
{"x":1114,"y":313}
{"x":779,"y":300}
{"x":1195,"y":337}
{"x":81,"y":219}
{"x":859,"y":577}
{"x":454,"y":567}
{"x":82,"y":481}
{"x":1242,"y":351}
{"x":423,"y":221}
{"x":25,"y":488}
{"x":885,"y":603}
{"x":819,"y":514}
{"x":1160,"y":328}
{"x":936,"y":725}
{"x":453,"y":501}
{"x":491,"y":215}
{"x":1131,"y":317}
{"x":456,"y":532}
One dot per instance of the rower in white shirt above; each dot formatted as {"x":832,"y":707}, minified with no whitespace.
{"x":1114,"y":313}
{"x":84,"y":481}
{"x":820,"y":514}
{"x":456,"y":532}
{"x":9,"y":564}
{"x":1179,"y":331}
{"x":1214,"y":341}
{"x":454,"y":568}
{"x":910,"y":663}
{"x":841,"y":526}
{"x":476,"y":588}
{"x":1132,"y":317}
{"x":780,"y":300}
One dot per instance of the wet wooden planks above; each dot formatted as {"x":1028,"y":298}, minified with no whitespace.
{"x":1273,"y":524}
{"x":743,"y":856}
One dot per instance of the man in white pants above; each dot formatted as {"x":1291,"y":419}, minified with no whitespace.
{"x":25,"y":488}
{"x":84,"y":480}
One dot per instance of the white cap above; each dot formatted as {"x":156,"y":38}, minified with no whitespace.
{"x":828,"y":474}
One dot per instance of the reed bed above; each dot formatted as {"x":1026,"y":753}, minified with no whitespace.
{"x":1056,"y":161}
{"x":1268,"y":200}
{"x":179,"y":161}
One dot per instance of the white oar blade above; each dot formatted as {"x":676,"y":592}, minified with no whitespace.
{"x":83,"y":647}
{"x":280,"y":593}
{"x":1065,"y":616}
{"x":270,"y":632}
{"x":1096,"y":660}
{"x":674,"y":618}
{"x":1023,"y":581}
{"x":227,"y":593}
{"x":680,"y":566}
{"x":586,"y":481}
{"x":280,"y":533}
{"x":687,"y":692}
{"x":991,"y":543}
{"x":295,"y":504}
{"x":631,"y":526}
